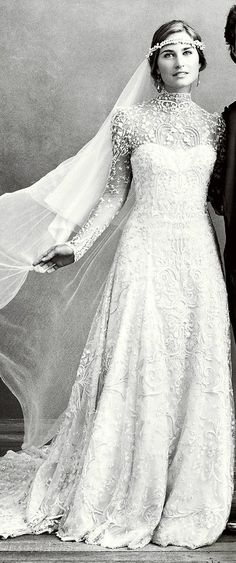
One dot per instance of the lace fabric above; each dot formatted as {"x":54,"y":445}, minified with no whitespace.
{"x":132,"y":128}
{"x":146,"y":446}
{"x":114,"y":196}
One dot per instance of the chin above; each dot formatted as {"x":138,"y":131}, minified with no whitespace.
{"x":182,"y":83}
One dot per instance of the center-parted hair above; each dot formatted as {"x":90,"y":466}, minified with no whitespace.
{"x":163,"y":32}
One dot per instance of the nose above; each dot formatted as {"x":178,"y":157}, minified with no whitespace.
{"x":179,"y":62}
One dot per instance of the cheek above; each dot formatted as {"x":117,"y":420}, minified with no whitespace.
{"x":165,"y":67}
{"x":194,"y":64}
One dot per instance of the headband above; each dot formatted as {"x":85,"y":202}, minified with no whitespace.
{"x":192,"y":43}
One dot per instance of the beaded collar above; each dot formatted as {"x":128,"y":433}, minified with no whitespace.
{"x":171,"y":101}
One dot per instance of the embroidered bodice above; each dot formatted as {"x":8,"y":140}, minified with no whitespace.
{"x":168,"y":145}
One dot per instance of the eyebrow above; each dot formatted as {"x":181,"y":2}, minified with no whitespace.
{"x":184,"y":47}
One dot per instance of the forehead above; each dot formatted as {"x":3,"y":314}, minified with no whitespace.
{"x":179,"y":36}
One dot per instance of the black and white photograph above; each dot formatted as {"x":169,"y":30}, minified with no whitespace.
{"x":117,"y":281}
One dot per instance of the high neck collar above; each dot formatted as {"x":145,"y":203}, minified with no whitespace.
{"x":174,"y":100}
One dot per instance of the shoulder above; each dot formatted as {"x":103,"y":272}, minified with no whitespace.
{"x":219,"y":122}
{"x":214,"y":121}
{"x":120,"y":122}
{"x":213,"y":117}
{"x":125,"y":116}
{"x":121,"y":130}
{"x":119,"y":115}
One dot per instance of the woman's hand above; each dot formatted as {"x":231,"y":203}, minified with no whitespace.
{"x":54,"y":258}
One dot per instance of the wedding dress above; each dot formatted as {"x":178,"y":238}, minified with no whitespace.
{"x":146,"y":446}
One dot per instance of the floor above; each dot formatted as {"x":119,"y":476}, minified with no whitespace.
{"x":49,"y":549}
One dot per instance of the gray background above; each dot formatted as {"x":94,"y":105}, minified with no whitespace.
{"x":64,"y":63}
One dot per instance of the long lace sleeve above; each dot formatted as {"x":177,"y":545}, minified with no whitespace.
{"x":115,"y":193}
{"x":216,"y":184}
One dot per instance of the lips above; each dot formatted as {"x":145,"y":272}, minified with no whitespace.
{"x":180,"y":73}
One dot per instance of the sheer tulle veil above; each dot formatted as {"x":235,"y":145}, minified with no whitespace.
{"x":45,"y":319}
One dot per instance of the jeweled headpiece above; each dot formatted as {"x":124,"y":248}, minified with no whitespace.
{"x":193,"y":43}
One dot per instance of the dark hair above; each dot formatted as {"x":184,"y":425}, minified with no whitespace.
{"x":230,"y":31}
{"x":162,"y":33}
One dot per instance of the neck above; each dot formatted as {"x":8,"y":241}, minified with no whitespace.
{"x":184,"y":90}
{"x":176,"y":94}
{"x":173,"y":101}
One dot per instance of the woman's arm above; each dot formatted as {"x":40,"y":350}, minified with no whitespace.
{"x":115,"y":194}
{"x":109,"y":205}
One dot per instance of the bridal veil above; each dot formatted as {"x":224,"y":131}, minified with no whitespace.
{"x":45,"y":319}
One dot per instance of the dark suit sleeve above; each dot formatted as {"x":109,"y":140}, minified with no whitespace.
{"x":217,"y":180}
{"x":230,"y":211}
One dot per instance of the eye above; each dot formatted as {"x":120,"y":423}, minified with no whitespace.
{"x":188,"y":52}
{"x":167,"y":55}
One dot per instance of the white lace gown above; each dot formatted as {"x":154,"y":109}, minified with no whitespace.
{"x":145,"y":450}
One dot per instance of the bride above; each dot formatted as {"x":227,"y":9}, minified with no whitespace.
{"x":144,"y":452}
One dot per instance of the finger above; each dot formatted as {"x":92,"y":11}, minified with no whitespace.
{"x":51,"y":269}
{"x":43,"y":267}
{"x":46,"y":264}
{"x":46,"y":256}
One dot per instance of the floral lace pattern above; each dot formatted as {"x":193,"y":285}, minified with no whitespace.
{"x":171,"y":120}
{"x":145,"y":450}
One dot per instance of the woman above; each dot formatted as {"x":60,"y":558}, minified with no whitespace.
{"x":145,"y":450}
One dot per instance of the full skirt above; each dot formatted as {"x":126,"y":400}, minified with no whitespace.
{"x":146,"y":447}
